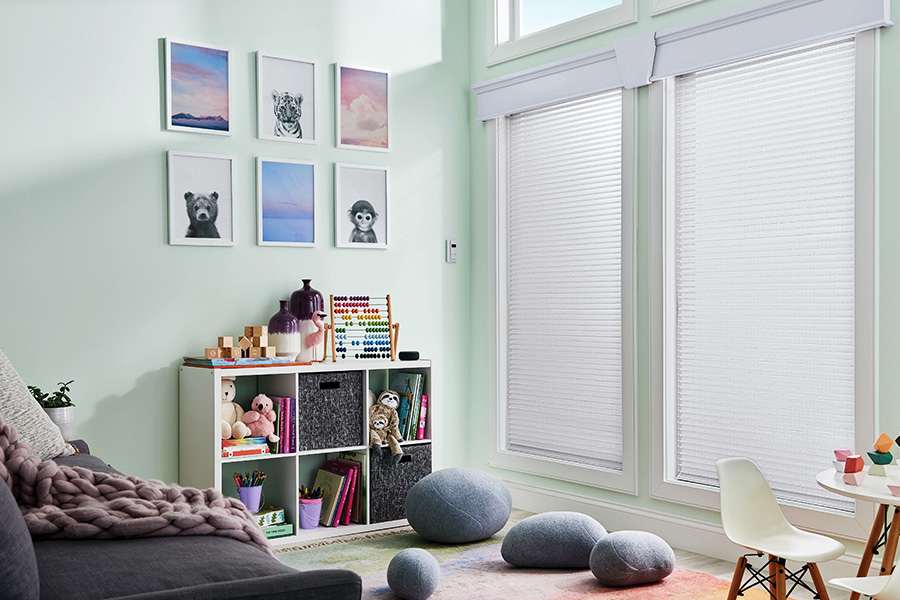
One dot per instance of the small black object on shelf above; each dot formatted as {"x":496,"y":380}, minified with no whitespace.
{"x":409,"y":355}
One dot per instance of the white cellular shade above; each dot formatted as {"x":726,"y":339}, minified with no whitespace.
{"x":564,"y":282}
{"x":764,"y":267}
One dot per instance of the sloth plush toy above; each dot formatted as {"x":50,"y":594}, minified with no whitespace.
{"x":384,"y":424}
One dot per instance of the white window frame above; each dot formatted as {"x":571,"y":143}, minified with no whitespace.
{"x":626,"y":479}
{"x":664,"y":486}
{"x":505,"y":13}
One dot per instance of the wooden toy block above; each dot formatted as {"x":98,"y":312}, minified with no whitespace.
{"x":839,"y":466}
{"x":255,"y":352}
{"x":894,"y":486}
{"x":248,"y":331}
{"x":214,"y":352}
{"x":260,"y":341}
{"x":268,"y":351}
{"x":232,"y":352}
{"x":883,"y":443}
{"x":878,"y":471}
{"x":854,"y":478}
{"x":226,"y":342}
{"x":880,"y":458}
{"x":854,"y":464}
{"x":245,"y":343}
{"x":842,"y":455}
{"x":259,"y":330}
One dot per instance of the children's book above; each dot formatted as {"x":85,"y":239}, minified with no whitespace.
{"x":350,"y":471}
{"x":405,"y":384}
{"x":412,"y":428}
{"x":293,"y":427}
{"x":332,"y":485}
{"x":360,"y":503}
{"x":247,"y":441}
{"x":235,"y":451}
{"x":420,"y":435}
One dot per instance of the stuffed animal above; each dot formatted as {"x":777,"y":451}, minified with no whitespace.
{"x":384,"y":424}
{"x":232,"y":426}
{"x":260,"y":419}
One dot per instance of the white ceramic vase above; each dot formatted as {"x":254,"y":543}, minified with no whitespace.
{"x":64,"y":418}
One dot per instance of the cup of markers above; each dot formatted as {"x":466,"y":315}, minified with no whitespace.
{"x":310,"y":507}
{"x":249,"y":489}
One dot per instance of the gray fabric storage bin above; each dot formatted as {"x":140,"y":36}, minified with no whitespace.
{"x":389,"y":483}
{"x":330,"y":410}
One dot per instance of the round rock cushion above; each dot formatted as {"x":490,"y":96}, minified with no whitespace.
{"x":457,"y":506}
{"x":628,"y":558}
{"x":552,"y":540}
{"x":413,"y":574}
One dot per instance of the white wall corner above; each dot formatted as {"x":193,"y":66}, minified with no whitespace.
{"x":635,"y":56}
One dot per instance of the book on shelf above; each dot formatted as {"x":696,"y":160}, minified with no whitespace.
{"x":342,"y":516}
{"x":420,"y":435}
{"x":293,"y":426}
{"x":279,"y":530}
{"x":411,"y":385}
{"x":237,"y":362}
{"x":360,"y":503}
{"x":413,"y":427}
{"x":269,"y":515}
{"x":332,"y":485}
{"x":247,"y":441}
{"x":236,"y":451}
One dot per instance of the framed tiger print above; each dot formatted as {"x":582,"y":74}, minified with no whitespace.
{"x":363,"y":108}
{"x":286,"y":98}
{"x":198,"y":88}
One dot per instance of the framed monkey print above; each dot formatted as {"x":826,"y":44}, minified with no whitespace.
{"x":361,"y":207}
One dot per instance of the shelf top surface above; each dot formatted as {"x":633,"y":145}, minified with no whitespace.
{"x":327,"y":366}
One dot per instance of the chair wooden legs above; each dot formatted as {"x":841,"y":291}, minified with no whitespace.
{"x":738,"y":578}
{"x":890,"y":544}
{"x":818,"y":582}
{"x":776,"y":569}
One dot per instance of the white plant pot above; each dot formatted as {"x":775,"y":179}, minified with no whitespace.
{"x":64,"y":418}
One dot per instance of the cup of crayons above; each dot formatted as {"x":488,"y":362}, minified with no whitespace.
{"x":310,"y":507}
{"x":249,"y":489}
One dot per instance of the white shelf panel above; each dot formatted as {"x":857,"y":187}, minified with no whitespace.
{"x":237,"y":459}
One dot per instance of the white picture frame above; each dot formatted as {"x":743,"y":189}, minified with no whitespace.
{"x":288,"y":76}
{"x":196,"y":182}
{"x":285,"y":195}
{"x":362,"y":108}
{"x":361,"y":183}
{"x":203,"y":98}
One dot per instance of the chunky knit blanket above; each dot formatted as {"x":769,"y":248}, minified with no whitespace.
{"x":76,"y":503}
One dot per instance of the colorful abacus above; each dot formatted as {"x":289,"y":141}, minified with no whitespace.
{"x":362,"y":328}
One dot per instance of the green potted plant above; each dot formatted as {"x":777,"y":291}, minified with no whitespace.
{"x":58,"y":406}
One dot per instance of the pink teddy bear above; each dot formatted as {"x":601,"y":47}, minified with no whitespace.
{"x":260,"y":418}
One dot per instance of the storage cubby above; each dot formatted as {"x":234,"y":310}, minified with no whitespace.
{"x":331,"y":417}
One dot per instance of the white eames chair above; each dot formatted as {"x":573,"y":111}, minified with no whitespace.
{"x":885,"y":587}
{"x":751,"y":518}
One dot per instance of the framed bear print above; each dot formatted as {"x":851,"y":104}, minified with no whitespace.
{"x":286,"y":98}
{"x":363,"y":108}
{"x":361,"y":206}
{"x":201,"y":199}
{"x":286,"y":202}
{"x":198,"y":90}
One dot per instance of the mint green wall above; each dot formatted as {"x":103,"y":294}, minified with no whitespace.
{"x":90,"y":289}
{"x":888,"y":318}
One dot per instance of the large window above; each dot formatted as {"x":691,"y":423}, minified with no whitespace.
{"x":766,"y":269}
{"x":564,"y":264}
{"x":521,"y":27}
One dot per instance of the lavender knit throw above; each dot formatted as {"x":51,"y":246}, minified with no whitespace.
{"x":76,"y":503}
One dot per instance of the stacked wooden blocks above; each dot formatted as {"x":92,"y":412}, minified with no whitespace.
{"x":881,"y":455}
{"x":853,"y":470}
{"x":253,"y":344}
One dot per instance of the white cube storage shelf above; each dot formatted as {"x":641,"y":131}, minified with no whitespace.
{"x":344,"y":388}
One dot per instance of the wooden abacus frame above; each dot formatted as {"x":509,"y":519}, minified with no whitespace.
{"x":393,"y":331}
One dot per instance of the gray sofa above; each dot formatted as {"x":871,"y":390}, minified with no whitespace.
{"x":164,"y":568}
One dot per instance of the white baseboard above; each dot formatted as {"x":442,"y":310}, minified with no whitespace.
{"x":685,"y":533}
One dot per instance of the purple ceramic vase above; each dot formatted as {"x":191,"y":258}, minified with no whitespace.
{"x":284,"y":332}
{"x":305,"y":302}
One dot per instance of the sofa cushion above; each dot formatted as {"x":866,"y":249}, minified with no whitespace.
{"x":18,"y":567}
{"x":98,"y":569}
{"x":21,"y":410}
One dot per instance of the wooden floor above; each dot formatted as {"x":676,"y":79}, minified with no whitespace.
{"x":724,"y":570}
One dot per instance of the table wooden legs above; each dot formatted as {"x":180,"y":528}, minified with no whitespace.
{"x":890,"y":544}
{"x":738,"y":578}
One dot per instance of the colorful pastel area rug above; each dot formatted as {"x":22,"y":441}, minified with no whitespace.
{"x":477,"y":570}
